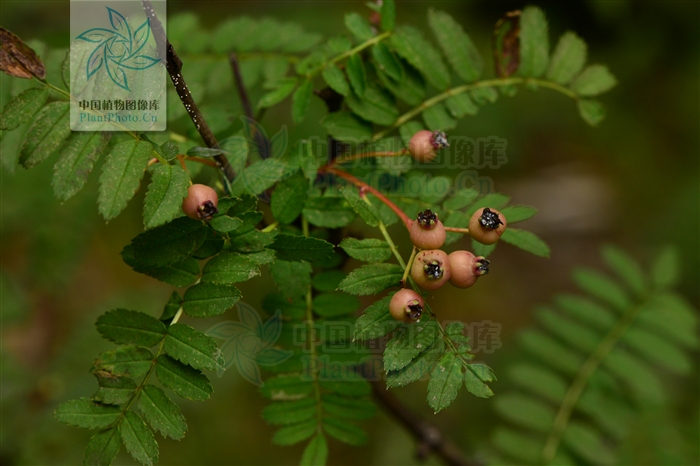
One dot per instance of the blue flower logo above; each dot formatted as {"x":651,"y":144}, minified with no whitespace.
{"x":118,"y":49}
{"x":250,"y":342}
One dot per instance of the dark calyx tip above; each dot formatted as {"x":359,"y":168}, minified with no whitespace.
{"x":489,"y":219}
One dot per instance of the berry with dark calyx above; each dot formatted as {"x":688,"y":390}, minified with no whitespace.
{"x":406,"y":306}
{"x":201,"y":202}
{"x":431,"y":269}
{"x":427,"y":232}
{"x":487,"y":225}
{"x":424,"y":145}
{"x":466,"y":268}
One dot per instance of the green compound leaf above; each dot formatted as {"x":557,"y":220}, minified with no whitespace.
{"x":347,"y":383}
{"x":492,"y":200}
{"x":592,"y":111}
{"x":344,"y":431}
{"x":210,"y":299}
{"x":588,"y":443}
{"x":387,"y":62}
{"x":357,"y":75}
{"x":169,"y":243}
{"x":138,"y":439}
{"x":601,"y":287}
{"x":292,"y":278}
{"x":103,"y":448}
{"x":484,"y":95}
{"x":534,"y":42}
{"x":410,"y":89}
{"x":568,"y":58}
{"x":123,"y":326}
{"x":284,"y":88}
{"x":525,"y":411}
{"x":475,"y":384}
{"x":87,"y":414}
{"x":525,"y":448}
{"x":376,"y":321}
{"x":164,"y":197}
{"x":328,"y":212}
{"x":297,"y":248}
{"x":335,"y":304}
{"x":518,"y":213}
{"x":259,"y":176}
{"x":367,"y":212}
{"x":289,"y":197}
{"x":445,"y":382}
{"x":295,"y":433}
{"x":249,"y":221}
{"x":189,"y":346}
{"x":456,"y":45}
{"x":290,"y":412}
{"x":179,"y":274}
{"x":437,"y":118}
{"x":129,"y":361}
{"x":47,"y":133}
{"x":78,"y":156}
{"x":412,"y":45}
{"x":625,"y":267}
{"x":374,"y":105}
{"x":417,"y":368}
{"x":228,"y":268}
{"x":371,"y":279}
{"x":287,"y":387}
{"x":224,"y":223}
{"x":345,"y":126}
{"x":461,"y":199}
{"x":22,"y":108}
{"x":526,"y":241}
{"x":594,"y":80}
{"x":358,"y":26}
{"x":335,"y":79}
{"x":114,"y":390}
{"x":301,"y":100}
{"x":184,"y":380}
{"x":121,"y":176}
{"x":316,"y":452}
{"x":367,"y":250}
{"x":461,"y":105}
{"x":348,"y":408}
{"x":161,"y":413}
{"x":407,"y":343}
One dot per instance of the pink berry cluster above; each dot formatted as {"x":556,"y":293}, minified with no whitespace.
{"x":433,"y":267}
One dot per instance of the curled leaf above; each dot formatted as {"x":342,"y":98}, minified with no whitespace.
{"x":506,"y":44}
{"x":17,"y":58}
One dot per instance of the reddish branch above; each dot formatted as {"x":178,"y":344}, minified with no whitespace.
{"x":367,"y":188}
{"x":371,"y":154}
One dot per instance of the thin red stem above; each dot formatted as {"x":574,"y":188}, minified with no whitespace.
{"x":369,"y":154}
{"x":364,"y":186}
{"x":211,"y":163}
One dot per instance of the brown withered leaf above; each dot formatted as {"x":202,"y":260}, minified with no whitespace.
{"x":506,"y":44}
{"x":17,"y":58}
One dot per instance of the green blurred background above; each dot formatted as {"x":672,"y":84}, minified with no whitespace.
{"x":632,"y":181}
